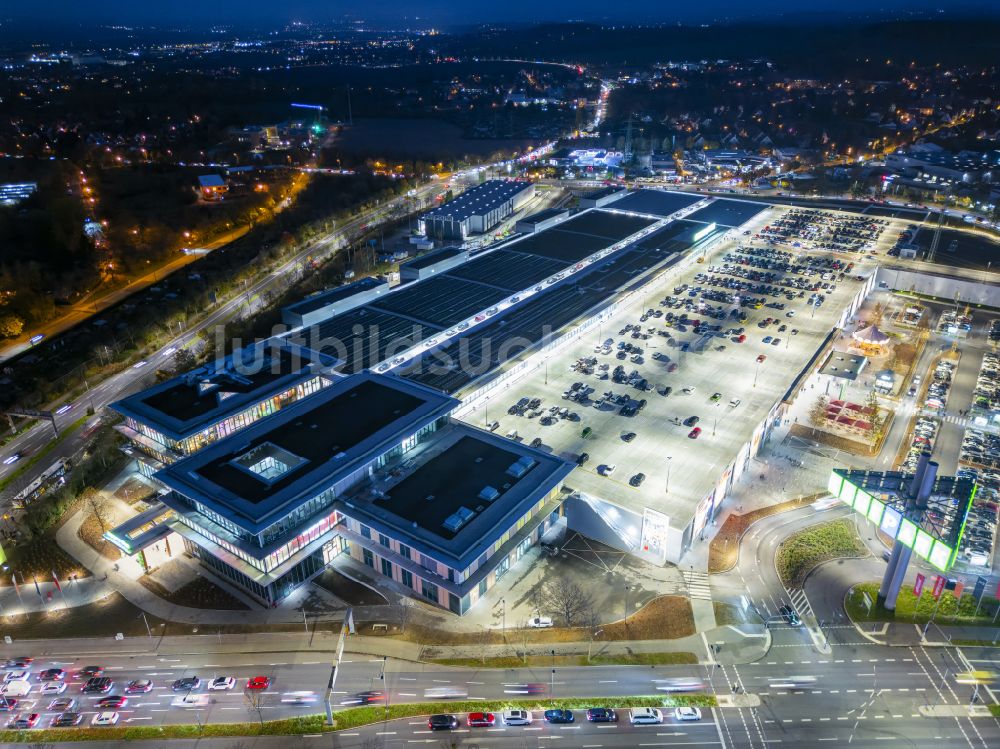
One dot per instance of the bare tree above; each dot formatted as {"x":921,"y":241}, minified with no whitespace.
{"x":254,"y":699}
{"x":591,"y":619}
{"x":568,"y":600}
{"x":404,"y":613}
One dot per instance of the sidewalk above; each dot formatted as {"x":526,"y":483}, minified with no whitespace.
{"x":735,"y":645}
{"x":902,"y":634}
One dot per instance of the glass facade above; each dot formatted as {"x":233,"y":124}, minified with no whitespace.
{"x":223,"y":428}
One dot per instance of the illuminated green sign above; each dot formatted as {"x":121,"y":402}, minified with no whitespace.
{"x":892,"y":523}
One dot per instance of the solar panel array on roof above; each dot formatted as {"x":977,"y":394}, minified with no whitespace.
{"x":487,"y":347}
{"x":508,"y":269}
{"x":656,"y":202}
{"x":364,"y":336}
{"x":442,"y":300}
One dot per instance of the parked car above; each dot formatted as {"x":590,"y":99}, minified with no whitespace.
{"x":105,"y":719}
{"x":517,"y":718}
{"x":693,"y":434}
{"x":62,"y":705}
{"x":602,"y":715}
{"x":51,"y":674}
{"x":637,"y":480}
{"x":644,"y":715}
{"x":482,"y":719}
{"x":559,"y":716}
{"x":442,"y":722}
{"x":687,"y":713}
{"x":540,"y":622}
{"x":52,"y":687}
{"x":111,"y":702}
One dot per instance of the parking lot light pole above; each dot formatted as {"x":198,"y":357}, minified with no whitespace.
{"x":666,"y":487}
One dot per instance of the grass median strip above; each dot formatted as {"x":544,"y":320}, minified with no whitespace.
{"x":353,"y":717}
{"x":918,"y":611}
{"x":598,"y":659}
{"x":802,"y":551}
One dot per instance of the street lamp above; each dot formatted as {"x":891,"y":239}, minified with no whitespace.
{"x":626,"y":608}
{"x":666,"y":487}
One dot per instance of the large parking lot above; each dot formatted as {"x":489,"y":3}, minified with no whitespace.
{"x":676,"y":382}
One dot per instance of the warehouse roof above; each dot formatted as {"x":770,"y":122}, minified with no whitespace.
{"x":479,"y":200}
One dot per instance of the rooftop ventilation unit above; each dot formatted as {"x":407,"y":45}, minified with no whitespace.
{"x":458,"y":518}
{"x":520,"y":467}
{"x":488,"y":493}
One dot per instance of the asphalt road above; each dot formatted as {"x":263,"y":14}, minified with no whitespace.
{"x":118,"y":385}
{"x":859,"y":693}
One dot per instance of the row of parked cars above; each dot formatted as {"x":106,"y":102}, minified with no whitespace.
{"x":986,"y":395}
{"x":977,"y":543}
{"x":636,"y":716}
{"x":940,"y":387}
{"x":924,"y":433}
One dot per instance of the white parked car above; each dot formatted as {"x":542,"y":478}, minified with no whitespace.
{"x":644,"y":715}
{"x":517,"y":717}
{"x":16,"y":676}
{"x":540,"y":622}
{"x":105,"y":719}
{"x":53,"y":687}
{"x":222,"y":683}
{"x":687,"y":713}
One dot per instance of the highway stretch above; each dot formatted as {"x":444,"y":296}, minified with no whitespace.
{"x":859,"y":693}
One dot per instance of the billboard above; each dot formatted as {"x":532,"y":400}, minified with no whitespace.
{"x":653,"y":540}
{"x":937,"y":551}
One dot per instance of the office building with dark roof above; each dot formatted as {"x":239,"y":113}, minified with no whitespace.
{"x":179,"y":416}
{"x":476,"y":210}
{"x":371,"y":466}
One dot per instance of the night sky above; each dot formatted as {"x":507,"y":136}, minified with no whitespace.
{"x":449,"y":12}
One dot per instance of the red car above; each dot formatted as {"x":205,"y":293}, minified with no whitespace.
{"x":672,"y":367}
{"x":741,"y":338}
{"x":693,"y":434}
{"x":112,"y":702}
{"x":761,"y":358}
{"x":259,"y":682}
{"x":482,"y":719}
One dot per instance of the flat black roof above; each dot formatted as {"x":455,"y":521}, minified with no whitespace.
{"x":260,"y":474}
{"x":442,"y":300}
{"x":450,"y":480}
{"x":728,"y":212}
{"x":330,"y":296}
{"x":325,"y":431}
{"x":581,"y":236}
{"x":603,"y":192}
{"x":191,"y":402}
{"x":537,"y":218}
{"x":364,"y":336}
{"x":432,"y":257}
{"x":453,"y":471}
{"x":656,"y":202}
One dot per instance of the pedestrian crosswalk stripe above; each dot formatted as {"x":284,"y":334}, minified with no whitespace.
{"x":697,"y":584}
